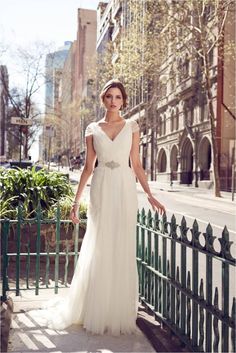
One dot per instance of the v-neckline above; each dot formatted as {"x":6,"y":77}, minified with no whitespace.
{"x":116,"y":134}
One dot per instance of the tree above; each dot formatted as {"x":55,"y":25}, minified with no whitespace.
{"x":17,"y":134}
{"x":24,"y":98}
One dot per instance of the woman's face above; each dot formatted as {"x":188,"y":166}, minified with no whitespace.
{"x":113,"y":99}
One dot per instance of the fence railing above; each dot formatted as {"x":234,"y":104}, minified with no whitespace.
{"x":37,"y":255}
{"x":182,"y":279}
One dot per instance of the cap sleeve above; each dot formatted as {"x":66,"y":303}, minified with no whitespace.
{"x":134,"y":126}
{"x":89,"y":130}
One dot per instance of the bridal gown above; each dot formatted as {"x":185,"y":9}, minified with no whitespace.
{"x":103,"y":296}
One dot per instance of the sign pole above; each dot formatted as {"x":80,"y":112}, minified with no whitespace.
{"x":16,"y":120}
{"x":20,"y":144}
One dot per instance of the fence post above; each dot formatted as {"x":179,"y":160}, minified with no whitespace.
{"x":173,"y":266}
{"x":18,"y":238}
{"x":195,"y":242}
{"x":183,"y":231}
{"x":38,"y":218}
{"x":225,"y":245}
{"x":164,"y":263}
{"x":233,"y":315}
{"x":209,"y":247}
{"x":76,"y":243}
{"x":58,"y":218}
{"x":149,"y":252}
{"x":4,"y":246}
{"x":156,"y":264}
{"x":143,"y":266}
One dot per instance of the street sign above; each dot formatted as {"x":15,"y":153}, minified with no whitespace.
{"x":20,"y":121}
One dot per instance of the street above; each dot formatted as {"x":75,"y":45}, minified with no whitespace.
{"x":195,"y":204}
{"x":190,"y":202}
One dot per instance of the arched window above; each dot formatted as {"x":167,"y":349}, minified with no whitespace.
{"x":162,"y":161}
{"x":205,"y":158}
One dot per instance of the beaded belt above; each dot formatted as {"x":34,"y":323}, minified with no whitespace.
{"x":112,"y":164}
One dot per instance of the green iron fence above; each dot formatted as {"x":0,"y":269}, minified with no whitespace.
{"x":31,"y":263}
{"x":179,"y":269}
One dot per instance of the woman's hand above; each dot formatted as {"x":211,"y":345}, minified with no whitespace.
{"x":156,"y":205}
{"x":74,"y":214}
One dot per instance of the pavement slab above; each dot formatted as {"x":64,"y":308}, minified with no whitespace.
{"x":28,"y":335}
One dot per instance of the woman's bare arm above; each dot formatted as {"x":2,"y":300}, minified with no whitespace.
{"x":140,"y":173}
{"x":86,"y":173}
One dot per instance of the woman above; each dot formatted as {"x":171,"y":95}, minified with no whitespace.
{"x":103,"y":296}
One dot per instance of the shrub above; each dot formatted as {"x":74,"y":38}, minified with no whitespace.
{"x":31,"y":188}
{"x":65,"y":204}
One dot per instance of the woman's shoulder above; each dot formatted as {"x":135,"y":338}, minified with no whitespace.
{"x":90,"y":128}
{"x":134,"y":125}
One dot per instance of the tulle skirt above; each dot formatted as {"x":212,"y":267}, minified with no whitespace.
{"x":103,"y":296}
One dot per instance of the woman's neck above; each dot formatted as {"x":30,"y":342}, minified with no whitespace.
{"x":111,"y":117}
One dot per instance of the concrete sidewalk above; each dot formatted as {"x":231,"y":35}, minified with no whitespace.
{"x":196,"y":195}
{"x":28,"y":335}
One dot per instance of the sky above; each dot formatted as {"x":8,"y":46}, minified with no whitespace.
{"x":25,"y":21}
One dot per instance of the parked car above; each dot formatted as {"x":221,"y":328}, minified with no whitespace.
{"x":22,"y":164}
{"x":5,"y":165}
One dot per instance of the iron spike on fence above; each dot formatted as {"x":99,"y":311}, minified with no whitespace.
{"x":195,"y":235}
{"x":149,"y":219}
{"x":156,"y":221}
{"x":225,"y":245}
{"x":209,"y":240}
{"x":138,"y":216}
{"x":143,"y":217}
{"x":183,"y":231}
{"x":173,"y":227}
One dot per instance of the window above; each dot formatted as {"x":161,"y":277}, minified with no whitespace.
{"x":186,"y":66}
{"x":172,"y":121}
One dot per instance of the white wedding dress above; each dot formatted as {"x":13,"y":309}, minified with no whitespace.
{"x":103,"y":296}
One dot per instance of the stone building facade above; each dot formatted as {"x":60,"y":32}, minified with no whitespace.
{"x":53,"y":69}
{"x":176,"y":145}
{"x":181,"y":148}
{"x":85,"y":51}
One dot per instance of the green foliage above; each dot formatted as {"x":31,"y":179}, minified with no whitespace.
{"x":30,"y":188}
{"x":5,"y":208}
{"x":65,"y":204}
